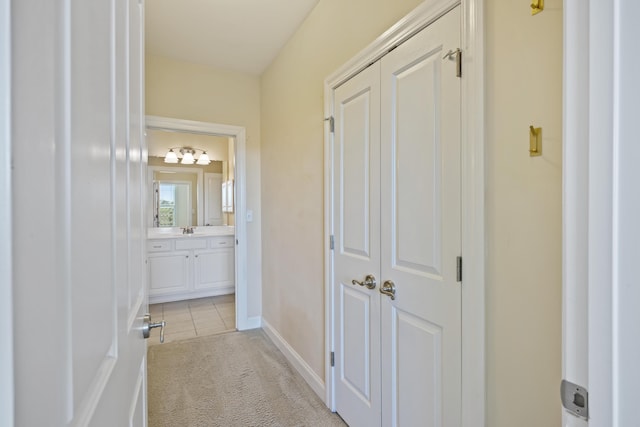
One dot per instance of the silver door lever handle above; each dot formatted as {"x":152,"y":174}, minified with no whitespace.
{"x":369,"y":282}
{"x":147,"y":326}
{"x":388,"y":288}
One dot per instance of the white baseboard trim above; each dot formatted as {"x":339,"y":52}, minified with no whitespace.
{"x":254,"y":322}
{"x":157,"y":299}
{"x":314,"y":381}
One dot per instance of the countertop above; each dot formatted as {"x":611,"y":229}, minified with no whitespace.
{"x":202,"y":231}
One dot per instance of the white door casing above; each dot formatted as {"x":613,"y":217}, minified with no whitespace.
{"x":6,"y":276}
{"x":601,"y":205}
{"x":575,"y":202}
{"x":420,"y":223}
{"x":79,"y":276}
{"x":357,"y":247}
{"x":397,"y":202}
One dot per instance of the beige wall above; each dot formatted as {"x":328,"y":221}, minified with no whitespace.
{"x":523,"y":194}
{"x":524,"y":214}
{"x":189,"y":91}
{"x":292,"y":163}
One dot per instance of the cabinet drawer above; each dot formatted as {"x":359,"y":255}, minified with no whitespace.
{"x":222,"y":242}
{"x":190,"y":244}
{"x":158,"y":245}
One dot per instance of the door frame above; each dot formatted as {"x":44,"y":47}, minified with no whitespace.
{"x":243,"y":321}
{"x":472,"y":181}
{"x":6,"y":281}
{"x":600,"y":209}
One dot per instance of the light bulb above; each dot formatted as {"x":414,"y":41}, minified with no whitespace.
{"x":187,"y":158}
{"x":203,"y":159}
{"x":171,"y":157}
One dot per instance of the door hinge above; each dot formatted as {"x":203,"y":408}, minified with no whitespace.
{"x":331,"y":123}
{"x":331,"y":242}
{"x":458,"y":58}
{"x":333,"y":359}
{"x":575,"y":399}
{"x":459,"y":269}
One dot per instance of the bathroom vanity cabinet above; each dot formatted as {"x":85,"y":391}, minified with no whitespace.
{"x":190,"y":267}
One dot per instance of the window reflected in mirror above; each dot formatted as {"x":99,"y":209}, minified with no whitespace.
{"x":173,"y":206}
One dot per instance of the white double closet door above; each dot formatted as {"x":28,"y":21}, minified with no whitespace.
{"x":397,"y":202}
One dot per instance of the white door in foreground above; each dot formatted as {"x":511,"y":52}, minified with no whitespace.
{"x":79,"y":160}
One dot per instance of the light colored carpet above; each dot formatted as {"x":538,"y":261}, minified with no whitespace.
{"x":232,"y":379}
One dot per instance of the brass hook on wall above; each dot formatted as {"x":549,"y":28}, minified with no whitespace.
{"x":535,"y":141}
{"x":537,"y":6}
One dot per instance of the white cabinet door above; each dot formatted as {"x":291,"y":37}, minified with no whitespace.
{"x":190,"y":267}
{"x":421,"y":226}
{"x":169,"y":272}
{"x":213,"y":269}
{"x":78,"y":265}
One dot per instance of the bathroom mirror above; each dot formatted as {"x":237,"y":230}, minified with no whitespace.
{"x":184,"y":195}
{"x":173,"y":205}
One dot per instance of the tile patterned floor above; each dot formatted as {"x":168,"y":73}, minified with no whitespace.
{"x":194,"y":318}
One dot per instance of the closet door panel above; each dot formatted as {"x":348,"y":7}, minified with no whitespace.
{"x":420,"y":229}
{"x":356,"y":188}
{"x":416,"y":193}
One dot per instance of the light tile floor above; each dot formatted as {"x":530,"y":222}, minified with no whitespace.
{"x":194,"y":318}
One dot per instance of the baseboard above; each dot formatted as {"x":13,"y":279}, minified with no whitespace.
{"x":157,"y":299}
{"x":254,"y":322}
{"x":314,"y":381}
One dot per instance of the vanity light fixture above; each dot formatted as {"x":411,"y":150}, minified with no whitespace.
{"x":187,"y":158}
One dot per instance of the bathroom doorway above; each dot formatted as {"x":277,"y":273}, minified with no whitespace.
{"x":210,"y":209}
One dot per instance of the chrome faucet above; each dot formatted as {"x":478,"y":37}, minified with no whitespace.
{"x":187,"y":230}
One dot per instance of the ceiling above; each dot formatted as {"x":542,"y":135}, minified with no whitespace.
{"x":236,"y":35}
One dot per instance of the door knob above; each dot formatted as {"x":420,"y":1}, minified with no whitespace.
{"x":369,"y":282}
{"x":388,"y":288}
{"x":147,"y":326}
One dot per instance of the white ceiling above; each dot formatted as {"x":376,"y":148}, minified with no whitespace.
{"x":237,"y":35}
